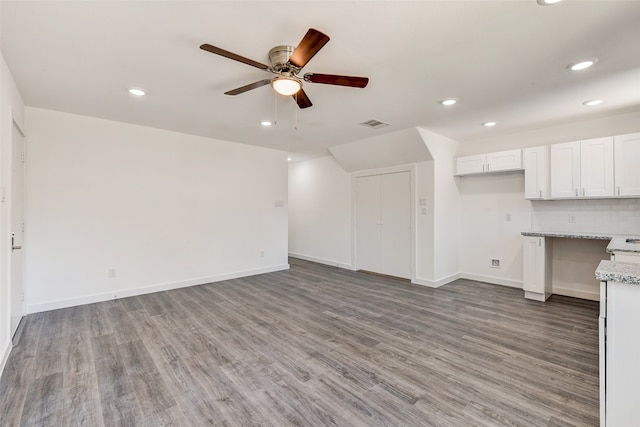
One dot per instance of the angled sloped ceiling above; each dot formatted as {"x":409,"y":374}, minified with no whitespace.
{"x":390,"y":149}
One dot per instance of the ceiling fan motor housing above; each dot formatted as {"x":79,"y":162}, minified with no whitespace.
{"x":279,"y":57}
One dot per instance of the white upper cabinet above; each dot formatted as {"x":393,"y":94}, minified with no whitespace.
{"x":536,"y":172}
{"x":504,"y":161}
{"x":582,"y":169}
{"x":493,"y":162}
{"x":565,"y":170}
{"x":627,"y":164}
{"x":471,"y":164}
{"x":596,"y":167}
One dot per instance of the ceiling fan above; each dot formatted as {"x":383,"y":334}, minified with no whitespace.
{"x":286,"y":64}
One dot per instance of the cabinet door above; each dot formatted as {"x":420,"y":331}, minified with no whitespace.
{"x":565,"y":170}
{"x":627,"y":161}
{"x":596,"y":167}
{"x":471,"y":164}
{"x":504,"y":160}
{"x":536,"y":172}
{"x":534,"y":266}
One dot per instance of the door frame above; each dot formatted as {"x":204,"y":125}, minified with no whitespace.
{"x":9,"y":226}
{"x":411,"y":168}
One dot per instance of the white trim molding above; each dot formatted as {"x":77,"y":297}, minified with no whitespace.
{"x":90,"y":299}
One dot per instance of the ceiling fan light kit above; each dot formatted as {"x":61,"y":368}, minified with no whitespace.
{"x":286,"y":85}
{"x":286,"y":63}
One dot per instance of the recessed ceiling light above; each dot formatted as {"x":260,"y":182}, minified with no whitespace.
{"x":489,"y":124}
{"x":266,"y":123}
{"x":582,"y":65}
{"x":136,"y":92}
{"x":449,"y":101}
{"x":548,"y":2}
{"x":592,"y":102}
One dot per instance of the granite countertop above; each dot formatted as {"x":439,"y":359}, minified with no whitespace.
{"x":618,"y":242}
{"x":622,"y":272}
{"x":569,"y":235}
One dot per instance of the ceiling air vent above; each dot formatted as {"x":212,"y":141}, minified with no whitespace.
{"x":374,"y":124}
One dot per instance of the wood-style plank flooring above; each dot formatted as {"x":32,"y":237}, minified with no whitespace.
{"x":314,"y":345}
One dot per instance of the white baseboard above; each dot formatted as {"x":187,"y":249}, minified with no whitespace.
{"x":576,"y":293}
{"x":493,"y":280}
{"x":322,"y":261}
{"x":5,"y":356}
{"x":90,"y":299}
{"x":436,"y":283}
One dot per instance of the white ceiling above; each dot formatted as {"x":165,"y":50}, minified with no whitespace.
{"x":505,"y":61}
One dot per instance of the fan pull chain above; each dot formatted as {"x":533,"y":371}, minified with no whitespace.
{"x":275,"y":99}
{"x":295,"y":107}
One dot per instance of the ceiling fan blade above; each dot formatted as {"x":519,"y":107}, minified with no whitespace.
{"x":310,"y":44}
{"x":235,"y":57}
{"x":331,"y":79}
{"x":302,"y":99}
{"x":248,"y":87}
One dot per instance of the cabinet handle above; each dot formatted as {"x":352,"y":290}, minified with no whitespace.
{"x":539,"y":242}
{"x":488,"y":167}
{"x":483,"y":167}
{"x":576,"y":192}
{"x":618,"y":190}
{"x":540,"y":191}
{"x":583,"y":192}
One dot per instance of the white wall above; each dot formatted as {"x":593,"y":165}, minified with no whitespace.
{"x":445,"y":205}
{"x":493,"y":213}
{"x":161,"y":208}
{"x":320,"y":212}
{"x":11,"y":108}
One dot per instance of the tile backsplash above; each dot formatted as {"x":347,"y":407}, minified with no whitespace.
{"x":616,"y":216}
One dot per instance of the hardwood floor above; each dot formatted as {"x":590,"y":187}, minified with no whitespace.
{"x":314,"y":345}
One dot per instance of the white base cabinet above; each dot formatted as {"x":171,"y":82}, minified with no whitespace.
{"x":621,"y":352}
{"x":537,"y":268}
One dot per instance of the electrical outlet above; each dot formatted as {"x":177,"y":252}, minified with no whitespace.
{"x":572,"y":218}
{"x":495,"y":263}
{"x":507,"y":217}
{"x":111,"y":273}
{"x":261,"y":254}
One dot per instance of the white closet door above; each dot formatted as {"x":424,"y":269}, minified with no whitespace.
{"x":395,"y":218}
{"x":368,"y":223}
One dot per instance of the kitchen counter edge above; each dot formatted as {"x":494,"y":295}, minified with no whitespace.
{"x":621,"y":272}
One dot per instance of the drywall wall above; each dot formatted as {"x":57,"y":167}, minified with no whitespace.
{"x":445,"y":205}
{"x":156,"y":209}
{"x":11,"y":109}
{"x":320,"y":212}
{"x":493,"y":213}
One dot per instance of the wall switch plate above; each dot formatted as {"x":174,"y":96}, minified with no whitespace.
{"x":495,"y":263}
{"x":507,"y":217}
{"x":111,"y":273}
{"x":278,"y":204}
